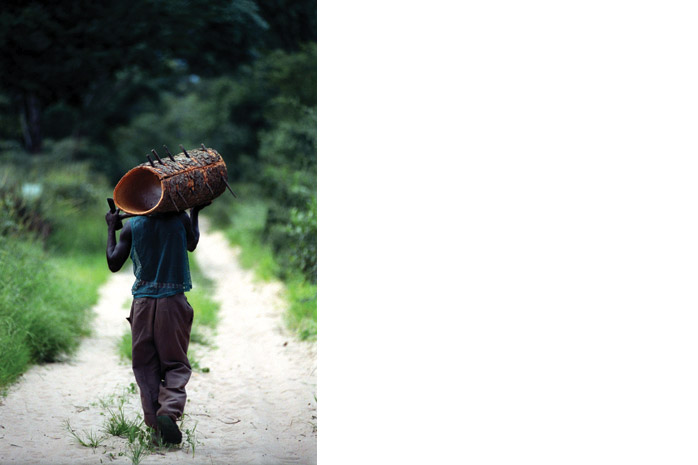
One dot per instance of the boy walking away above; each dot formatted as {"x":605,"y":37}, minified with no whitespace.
{"x":161,"y":316}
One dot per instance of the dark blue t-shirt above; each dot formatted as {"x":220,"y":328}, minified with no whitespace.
{"x":159,"y":255}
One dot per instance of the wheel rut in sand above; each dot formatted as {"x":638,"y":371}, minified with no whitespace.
{"x":256,"y":405}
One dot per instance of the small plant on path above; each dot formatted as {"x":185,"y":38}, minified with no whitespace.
{"x":117,"y":424}
{"x":137,"y":450}
{"x":141,"y":439}
{"x":87,"y":439}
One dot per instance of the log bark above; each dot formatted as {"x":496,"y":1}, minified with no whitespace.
{"x":172,"y":185}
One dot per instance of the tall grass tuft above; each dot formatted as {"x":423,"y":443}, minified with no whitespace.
{"x":43,"y":314}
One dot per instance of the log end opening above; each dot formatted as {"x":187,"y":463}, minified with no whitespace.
{"x":138,"y":192}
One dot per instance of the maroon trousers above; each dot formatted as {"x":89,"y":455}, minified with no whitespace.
{"x":160,"y":330}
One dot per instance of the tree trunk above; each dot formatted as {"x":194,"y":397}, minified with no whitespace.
{"x":172,"y":185}
{"x":30,"y":119}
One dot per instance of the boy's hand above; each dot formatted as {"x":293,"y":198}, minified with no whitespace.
{"x":198,"y":208}
{"x":113,"y":221}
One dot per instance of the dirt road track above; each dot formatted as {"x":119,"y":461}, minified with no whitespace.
{"x":255,"y":406}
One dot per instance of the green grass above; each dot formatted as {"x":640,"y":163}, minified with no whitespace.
{"x":118,"y":424}
{"x":205,"y":308}
{"x":124,"y":346}
{"x":302,"y":312}
{"x":44,"y":304}
{"x":86,"y":273}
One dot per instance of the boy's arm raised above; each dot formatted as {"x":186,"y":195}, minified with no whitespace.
{"x":191,"y":225}
{"x":117,"y":253}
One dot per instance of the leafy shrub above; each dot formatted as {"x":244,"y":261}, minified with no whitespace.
{"x":289,"y":179}
{"x":294,"y":240}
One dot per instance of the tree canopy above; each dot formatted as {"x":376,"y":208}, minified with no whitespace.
{"x":76,"y":52}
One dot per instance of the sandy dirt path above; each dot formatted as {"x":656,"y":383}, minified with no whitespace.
{"x":255,"y":406}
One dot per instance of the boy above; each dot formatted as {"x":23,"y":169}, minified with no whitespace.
{"x":161,"y":317}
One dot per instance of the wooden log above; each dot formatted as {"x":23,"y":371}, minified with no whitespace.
{"x":174,"y":185}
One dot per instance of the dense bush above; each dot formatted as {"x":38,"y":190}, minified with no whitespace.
{"x":288,"y":155}
{"x":292,"y":234}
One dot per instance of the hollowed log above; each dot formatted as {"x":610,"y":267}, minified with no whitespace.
{"x":173,"y":185}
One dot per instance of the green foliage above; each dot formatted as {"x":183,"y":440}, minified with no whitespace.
{"x":288,"y":159}
{"x":293,"y":236}
{"x":15,"y":354}
{"x":57,"y":201}
{"x":291,"y":22}
{"x":50,"y":259}
{"x":229,"y":113}
{"x":69,"y":59}
{"x":302,"y":313}
{"x":41,"y":310}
